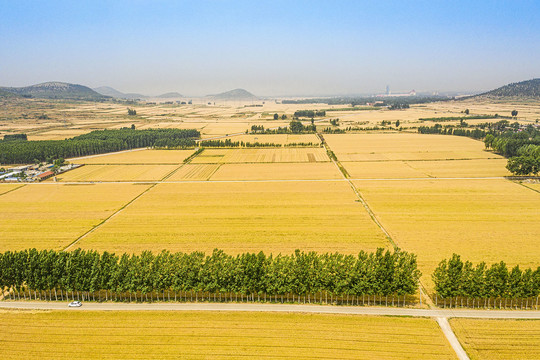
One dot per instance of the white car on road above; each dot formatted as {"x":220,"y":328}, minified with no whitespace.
{"x":75,"y":304}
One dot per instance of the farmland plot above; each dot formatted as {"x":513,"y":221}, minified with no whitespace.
{"x":374,"y":147}
{"x":52,"y":216}
{"x":223,"y":156}
{"x":482,"y":220}
{"x":203,"y":335}
{"x":117,"y":173}
{"x":5,"y":188}
{"x":277,"y":171}
{"x":194,"y":172}
{"x":499,"y":339}
{"x":139,"y":157}
{"x":241,"y":217}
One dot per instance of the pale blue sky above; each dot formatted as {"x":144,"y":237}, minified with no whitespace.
{"x":270,"y":47}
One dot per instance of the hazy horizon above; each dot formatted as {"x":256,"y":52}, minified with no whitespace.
{"x":273,"y":48}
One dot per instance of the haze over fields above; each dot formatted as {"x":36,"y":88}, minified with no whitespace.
{"x":271,"y":47}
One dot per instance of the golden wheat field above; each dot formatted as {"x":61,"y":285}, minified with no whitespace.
{"x":223,"y":156}
{"x":51,"y":216}
{"x":5,"y":188}
{"x":223,"y":335}
{"x":137,"y":157}
{"x":499,"y":339}
{"x":239,"y":217}
{"x":194,"y":172}
{"x":277,"y":171}
{"x":482,"y":220}
{"x":405,"y":146}
{"x":117,"y":173}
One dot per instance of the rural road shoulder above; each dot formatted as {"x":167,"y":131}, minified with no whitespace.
{"x":291,"y":308}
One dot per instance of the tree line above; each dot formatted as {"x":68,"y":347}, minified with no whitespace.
{"x":454,"y":277}
{"x":378,"y":273}
{"x":95,"y":142}
{"x":309,"y":113}
{"x":522,"y":148}
{"x":244,"y":144}
{"x":449,"y":130}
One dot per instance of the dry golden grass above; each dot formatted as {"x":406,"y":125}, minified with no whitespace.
{"x":138,"y":157}
{"x":239,"y":217}
{"x":483,"y":220}
{"x":194,"y":172}
{"x":219,"y":335}
{"x":223,"y":156}
{"x":277,"y":171}
{"x":51,"y":216}
{"x":499,"y":339}
{"x":117,"y":173}
{"x":405,"y":146}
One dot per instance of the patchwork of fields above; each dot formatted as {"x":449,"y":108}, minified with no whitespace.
{"x":499,"y":339}
{"x":198,"y":335}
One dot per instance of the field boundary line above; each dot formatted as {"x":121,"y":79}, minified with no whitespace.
{"x":452,"y":339}
{"x":359,"y":195}
{"x":17,"y":188}
{"x":519,"y":183}
{"x":108,"y":218}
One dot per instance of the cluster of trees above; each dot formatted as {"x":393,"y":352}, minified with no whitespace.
{"x":171,"y":143}
{"x":522,"y":148}
{"x":309,"y":113}
{"x":132,"y":112}
{"x":453,"y":277}
{"x":95,"y":142}
{"x":283,"y":117}
{"x":296,"y":127}
{"x":450,"y":130}
{"x":398,"y":106}
{"x":380,"y":273}
{"x":10,"y":137}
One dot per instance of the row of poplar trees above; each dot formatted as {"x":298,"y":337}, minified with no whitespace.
{"x":454,"y":277}
{"x":379,"y":273}
{"x":95,"y":142}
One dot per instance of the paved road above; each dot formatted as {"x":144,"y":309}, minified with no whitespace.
{"x":321,"y":309}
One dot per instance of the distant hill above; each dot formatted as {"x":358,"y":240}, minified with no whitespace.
{"x":109,"y":91}
{"x":57,"y":90}
{"x":6,"y":94}
{"x":236,"y":94}
{"x":170,"y":95}
{"x":523,"y":89}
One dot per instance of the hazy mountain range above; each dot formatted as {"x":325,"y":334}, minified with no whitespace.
{"x":60,"y":90}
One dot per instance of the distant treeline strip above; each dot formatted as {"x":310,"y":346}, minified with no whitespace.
{"x":453,"y":278}
{"x":438,"y":129}
{"x":242,"y":144}
{"x":467,"y":117}
{"x":380,"y":273}
{"x":95,"y":142}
